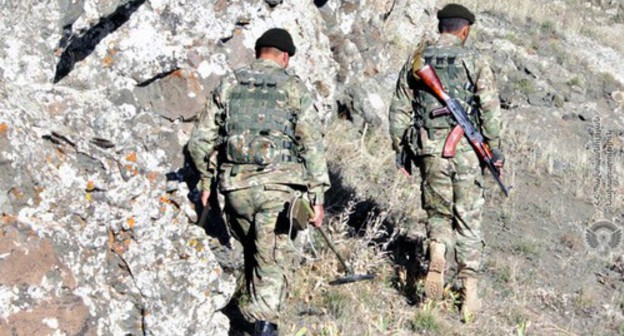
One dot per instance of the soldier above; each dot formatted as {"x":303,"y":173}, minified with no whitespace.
{"x":266,"y":131}
{"x":452,"y":187}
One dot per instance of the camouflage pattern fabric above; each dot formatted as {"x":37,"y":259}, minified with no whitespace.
{"x":452,"y":188}
{"x":310,"y":168}
{"x":453,"y":198}
{"x":406,"y":107}
{"x":265,"y":130}
{"x":258,"y":219}
{"x":259,"y":129}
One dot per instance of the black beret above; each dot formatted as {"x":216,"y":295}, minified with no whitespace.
{"x":456,"y":11}
{"x":277,"y":38}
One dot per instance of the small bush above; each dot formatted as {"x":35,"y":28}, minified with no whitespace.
{"x":335,"y":303}
{"x":424,"y":320}
{"x":548,"y":27}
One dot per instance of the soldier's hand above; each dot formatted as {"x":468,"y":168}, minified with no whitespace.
{"x":398,"y":161}
{"x":319,"y":214}
{"x":499,"y":164}
{"x":499,"y":160}
{"x":205,"y":195}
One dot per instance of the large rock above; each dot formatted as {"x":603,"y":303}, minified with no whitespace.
{"x":98,"y":205}
{"x":95,"y":96}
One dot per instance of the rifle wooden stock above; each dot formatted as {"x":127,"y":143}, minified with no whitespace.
{"x":428,"y":75}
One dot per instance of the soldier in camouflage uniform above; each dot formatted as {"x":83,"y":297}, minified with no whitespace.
{"x":452,"y":187}
{"x":266,"y":131}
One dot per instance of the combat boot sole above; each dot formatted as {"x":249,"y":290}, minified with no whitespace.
{"x":434,"y":283}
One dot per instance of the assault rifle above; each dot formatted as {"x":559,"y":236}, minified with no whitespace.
{"x":464,"y":127}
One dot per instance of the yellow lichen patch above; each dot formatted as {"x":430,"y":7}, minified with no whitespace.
{"x":90,"y":188}
{"x":131,"y":157}
{"x":126,"y":244}
{"x":165,"y":201}
{"x":38,"y":191}
{"x":111,"y":239}
{"x":196,"y":245}
{"x":107,"y":61}
{"x":17,"y":193}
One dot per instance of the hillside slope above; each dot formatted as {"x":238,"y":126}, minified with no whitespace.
{"x":98,"y":99}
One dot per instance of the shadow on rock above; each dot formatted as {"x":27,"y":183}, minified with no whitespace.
{"x":239,"y":326}
{"x":211,"y":219}
{"x":77,"y":48}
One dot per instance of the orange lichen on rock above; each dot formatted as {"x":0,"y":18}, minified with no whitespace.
{"x":132,"y":170}
{"x":132,"y":157}
{"x":178,"y":73}
{"x":152,"y":176}
{"x":6,"y":219}
{"x":131,"y":222}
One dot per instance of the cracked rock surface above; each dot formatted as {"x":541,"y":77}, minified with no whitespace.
{"x":97,"y":99}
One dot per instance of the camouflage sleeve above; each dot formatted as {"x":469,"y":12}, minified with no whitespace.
{"x":490,"y":111}
{"x":310,"y":139}
{"x":205,"y":134}
{"x":400,"y":115}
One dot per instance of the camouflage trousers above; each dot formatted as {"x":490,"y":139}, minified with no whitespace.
{"x":257,"y":218}
{"x":453,"y":198}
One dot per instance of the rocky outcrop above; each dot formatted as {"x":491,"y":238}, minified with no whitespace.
{"x":88,"y":216}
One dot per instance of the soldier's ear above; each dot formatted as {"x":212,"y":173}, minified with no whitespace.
{"x":464,"y":33}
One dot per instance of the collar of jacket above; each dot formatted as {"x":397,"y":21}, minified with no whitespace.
{"x":261,"y":62}
{"x":449,"y":40}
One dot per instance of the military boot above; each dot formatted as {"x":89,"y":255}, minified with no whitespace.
{"x":264,"y":328}
{"x":471,"y":304}
{"x":434,"y":283}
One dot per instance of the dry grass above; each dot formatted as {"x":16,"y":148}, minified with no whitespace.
{"x":363,"y":165}
{"x":597,"y":19}
{"x":385,"y":305}
{"x":370,"y":199}
{"x":361,"y":308}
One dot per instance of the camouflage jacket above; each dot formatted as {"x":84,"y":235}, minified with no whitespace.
{"x":308,"y":170}
{"x":407,"y":107}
